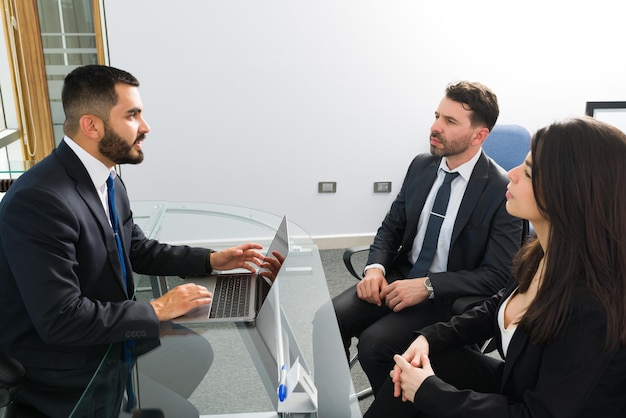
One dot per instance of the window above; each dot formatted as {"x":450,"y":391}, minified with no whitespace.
{"x":69,"y":40}
{"x":3,"y":123}
{"x":69,"y":34}
{"x":10,"y":150}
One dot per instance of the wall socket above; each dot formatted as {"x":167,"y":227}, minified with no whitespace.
{"x":382,"y":187}
{"x":327,"y":187}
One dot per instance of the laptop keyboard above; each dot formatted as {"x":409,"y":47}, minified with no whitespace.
{"x":231,"y":298}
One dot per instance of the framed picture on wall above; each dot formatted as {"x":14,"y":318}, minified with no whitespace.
{"x":609,"y":112}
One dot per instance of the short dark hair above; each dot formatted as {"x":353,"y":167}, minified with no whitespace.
{"x":90,"y":89}
{"x":479,"y":99}
{"x":579,"y":182}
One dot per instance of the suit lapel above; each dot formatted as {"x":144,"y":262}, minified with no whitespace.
{"x":419,"y":199}
{"x":518,"y":342}
{"x":84,"y":187}
{"x":475,"y":187}
{"x":516,"y":347}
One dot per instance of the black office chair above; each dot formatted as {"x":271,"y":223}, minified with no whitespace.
{"x":5,"y":184}
{"x":11,"y":374}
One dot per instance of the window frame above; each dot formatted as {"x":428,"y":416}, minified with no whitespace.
{"x":28,"y":110}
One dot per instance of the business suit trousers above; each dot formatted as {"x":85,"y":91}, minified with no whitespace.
{"x":461,"y":367}
{"x":382,"y":332}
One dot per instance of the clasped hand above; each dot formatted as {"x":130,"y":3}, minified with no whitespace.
{"x":400,"y":294}
{"x":411,"y":369}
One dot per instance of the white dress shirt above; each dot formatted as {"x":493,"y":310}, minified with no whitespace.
{"x":98,"y":172}
{"x":457,"y":191}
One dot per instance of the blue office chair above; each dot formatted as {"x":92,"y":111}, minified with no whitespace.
{"x":507,"y":145}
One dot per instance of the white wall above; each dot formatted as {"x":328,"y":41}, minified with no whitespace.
{"x":297,"y":92}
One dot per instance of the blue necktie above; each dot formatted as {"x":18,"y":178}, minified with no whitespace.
{"x":120,"y":252}
{"x":115,"y":225}
{"x":431,"y":238}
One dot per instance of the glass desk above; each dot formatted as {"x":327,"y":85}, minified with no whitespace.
{"x":242,"y":378}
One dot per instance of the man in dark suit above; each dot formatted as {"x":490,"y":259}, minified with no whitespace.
{"x":472,"y":254}
{"x":63,"y":295}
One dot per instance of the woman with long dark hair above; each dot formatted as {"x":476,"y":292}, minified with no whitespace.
{"x":561,"y":325}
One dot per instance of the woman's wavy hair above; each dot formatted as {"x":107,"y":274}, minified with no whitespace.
{"x":579,"y":182}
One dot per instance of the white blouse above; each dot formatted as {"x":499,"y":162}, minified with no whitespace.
{"x":506,"y":333}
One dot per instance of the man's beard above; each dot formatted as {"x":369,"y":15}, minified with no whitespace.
{"x":447,"y":148}
{"x":117,"y":150}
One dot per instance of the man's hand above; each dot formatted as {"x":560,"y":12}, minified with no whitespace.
{"x":271,"y":265}
{"x":242,"y":256}
{"x":369,"y":287}
{"x":180,"y":300}
{"x":404,"y":293}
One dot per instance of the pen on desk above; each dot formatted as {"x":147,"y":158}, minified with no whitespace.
{"x":280,"y":354}
{"x":282,"y":386}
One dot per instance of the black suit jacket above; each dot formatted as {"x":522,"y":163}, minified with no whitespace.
{"x":484,"y":238}
{"x":573,"y":376}
{"x":62,"y":298}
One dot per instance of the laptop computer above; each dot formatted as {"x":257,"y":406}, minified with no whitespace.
{"x":237,"y":297}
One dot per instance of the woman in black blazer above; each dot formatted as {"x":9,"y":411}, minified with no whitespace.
{"x":561,"y":326}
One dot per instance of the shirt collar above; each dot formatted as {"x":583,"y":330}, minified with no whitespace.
{"x":98,"y":172}
{"x":465,"y":169}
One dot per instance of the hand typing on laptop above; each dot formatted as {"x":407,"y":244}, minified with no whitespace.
{"x":180,"y":300}
{"x":237,"y":296}
{"x":186,"y":297}
{"x":237,"y":257}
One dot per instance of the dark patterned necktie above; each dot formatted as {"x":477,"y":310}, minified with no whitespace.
{"x":431,"y":238}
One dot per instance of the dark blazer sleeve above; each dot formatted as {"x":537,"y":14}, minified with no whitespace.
{"x":574,"y":375}
{"x":148,"y":256}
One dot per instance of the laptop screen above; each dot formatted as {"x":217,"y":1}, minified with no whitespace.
{"x":276,"y":253}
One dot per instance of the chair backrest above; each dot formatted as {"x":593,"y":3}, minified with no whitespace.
{"x":507,"y":145}
{"x":11,"y":373}
{"x":5,"y":184}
